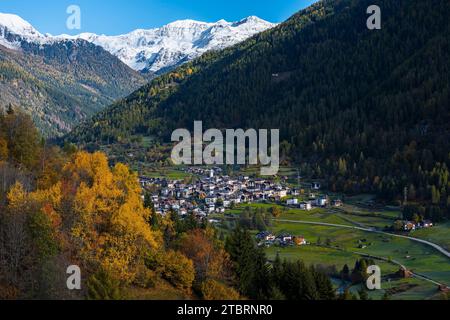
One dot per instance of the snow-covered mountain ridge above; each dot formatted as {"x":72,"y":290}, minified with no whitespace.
{"x":152,"y":50}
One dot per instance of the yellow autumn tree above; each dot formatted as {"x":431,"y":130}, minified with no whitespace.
{"x":177,"y":269}
{"x":16,"y":198}
{"x":110,"y":221}
{"x":95,"y":216}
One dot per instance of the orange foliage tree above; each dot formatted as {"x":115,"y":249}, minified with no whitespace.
{"x":210,"y":259}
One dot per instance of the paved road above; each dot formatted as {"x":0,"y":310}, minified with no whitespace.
{"x":373,"y":230}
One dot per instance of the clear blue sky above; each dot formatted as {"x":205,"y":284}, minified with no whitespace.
{"x":113,"y":17}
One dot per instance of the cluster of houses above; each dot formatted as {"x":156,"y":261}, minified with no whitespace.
{"x":410,"y":226}
{"x":268,"y":239}
{"x":321,"y":201}
{"x":211,"y":192}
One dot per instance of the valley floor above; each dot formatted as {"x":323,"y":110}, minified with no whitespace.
{"x":344,"y":233}
{"x":339,"y":236}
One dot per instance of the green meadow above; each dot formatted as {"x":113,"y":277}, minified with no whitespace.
{"x":345,"y":246}
{"x":168,"y":173}
{"x":439,"y":234}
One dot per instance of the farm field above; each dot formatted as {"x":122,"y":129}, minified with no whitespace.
{"x":365,"y":220}
{"x":315,"y":255}
{"x":255,"y":170}
{"x":337,"y":246}
{"x":415,"y":257}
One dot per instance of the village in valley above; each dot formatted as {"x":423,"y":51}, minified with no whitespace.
{"x":213,"y":193}
{"x":217,"y":192}
{"x":321,"y":228}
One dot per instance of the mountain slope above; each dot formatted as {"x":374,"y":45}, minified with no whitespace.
{"x":59,"y":83}
{"x":64,"y":83}
{"x":366,"y":109}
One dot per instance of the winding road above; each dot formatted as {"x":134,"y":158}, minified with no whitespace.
{"x":373,"y":230}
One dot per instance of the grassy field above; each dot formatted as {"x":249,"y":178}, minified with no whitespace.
{"x":382,"y":213}
{"x":365,"y":220}
{"x":415,"y":256}
{"x":439,"y":234}
{"x":317,"y":214}
{"x":403,"y":289}
{"x":169,"y":173}
{"x":345,"y":244}
{"x":408,"y":289}
{"x":255,"y":170}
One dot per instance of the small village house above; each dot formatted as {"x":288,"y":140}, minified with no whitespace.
{"x":300,"y":241}
{"x":306,"y":206}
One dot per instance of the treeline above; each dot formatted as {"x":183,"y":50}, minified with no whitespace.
{"x":367,"y":110}
{"x":357,"y":276}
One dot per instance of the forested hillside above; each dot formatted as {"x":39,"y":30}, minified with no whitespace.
{"x":63,"y":83}
{"x":367,"y":110}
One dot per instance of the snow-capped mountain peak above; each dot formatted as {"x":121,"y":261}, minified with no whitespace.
{"x":15,"y":24}
{"x":177,"y":42}
{"x":14,"y":29}
{"x":149,"y":50}
{"x":185,"y":24}
{"x":252,"y":19}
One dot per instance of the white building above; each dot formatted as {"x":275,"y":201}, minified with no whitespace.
{"x":306,"y":206}
{"x":322,"y":202}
